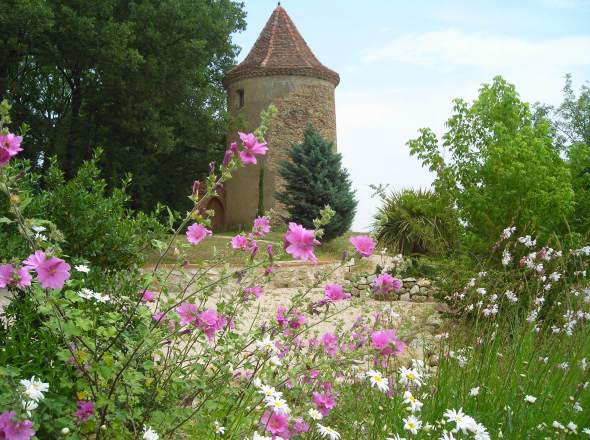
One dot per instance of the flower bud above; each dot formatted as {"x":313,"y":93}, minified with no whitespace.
{"x":196,"y":186}
{"x":65,"y":431}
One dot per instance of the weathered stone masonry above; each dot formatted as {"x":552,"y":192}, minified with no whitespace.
{"x":281,"y":70}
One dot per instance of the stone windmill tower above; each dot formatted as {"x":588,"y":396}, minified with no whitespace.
{"x":282,"y":70}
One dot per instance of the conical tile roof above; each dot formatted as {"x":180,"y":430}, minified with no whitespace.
{"x":281,"y":50}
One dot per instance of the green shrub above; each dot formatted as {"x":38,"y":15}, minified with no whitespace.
{"x":97,"y":224}
{"x":416,"y":222}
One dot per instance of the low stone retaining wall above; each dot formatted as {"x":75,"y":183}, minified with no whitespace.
{"x":415,"y":290}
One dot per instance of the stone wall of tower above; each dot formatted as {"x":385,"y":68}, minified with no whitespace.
{"x":299,"y":100}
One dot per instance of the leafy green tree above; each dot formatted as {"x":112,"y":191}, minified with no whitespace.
{"x":314,"y":178}
{"x":500,"y":167}
{"x":572,"y":135}
{"x":417,"y":222}
{"x":142,"y":79}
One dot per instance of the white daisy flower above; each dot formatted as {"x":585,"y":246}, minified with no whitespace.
{"x":415,"y":404}
{"x":412,"y":424}
{"x":327,"y":432}
{"x":257,"y":436}
{"x":314,"y":414}
{"x":150,"y":434}
{"x":377,"y":380}
{"x":269,"y":392}
{"x":530,"y":399}
{"x":410,"y":377}
{"x":278,"y":405}
{"x":218,"y":428}
{"x":462,"y":421}
{"x":82,"y":268}
{"x":474,"y":392}
{"x":29,"y":405}
{"x":34,"y":389}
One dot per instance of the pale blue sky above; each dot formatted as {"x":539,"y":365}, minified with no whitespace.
{"x":401,"y":63}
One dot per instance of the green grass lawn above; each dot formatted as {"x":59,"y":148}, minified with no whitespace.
{"x":218,"y":246}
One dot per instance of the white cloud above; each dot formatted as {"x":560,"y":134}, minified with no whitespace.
{"x":376,"y":118}
{"x":451,"y":49}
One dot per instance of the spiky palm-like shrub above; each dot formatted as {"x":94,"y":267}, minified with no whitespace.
{"x":417,"y":222}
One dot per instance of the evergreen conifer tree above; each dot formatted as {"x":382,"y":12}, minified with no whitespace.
{"x":314,"y":177}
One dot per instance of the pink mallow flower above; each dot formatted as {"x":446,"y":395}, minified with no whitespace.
{"x":299,"y":242}
{"x":11,"y":143}
{"x":276,"y":424}
{"x":335,"y":292}
{"x":252,"y":148}
{"x":9,"y":147}
{"x":187,"y":312}
{"x":387,"y":343}
{"x":210,"y":322}
{"x":240,"y":241}
{"x":385,"y":283}
{"x":85,"y":410}
{"x":255,"y":291}
{"x":148,"y":296}
{"x":324,"y":402}
{"x":52,"y":272}
{"x":4,"y":156}
{"x":330,"y":343}
{"x":196,"y":233}
{"x":15,"y":277}
{"x":10,"y":429}
{"x":363,"y":244}
{"x":261,"y":226}
{"x":300,"y":426}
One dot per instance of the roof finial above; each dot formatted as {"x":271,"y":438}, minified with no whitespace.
{"x":279,"y":4}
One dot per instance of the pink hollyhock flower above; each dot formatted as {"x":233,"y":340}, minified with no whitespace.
{"x":324,"y":402}
{"x":239,"y":242}
{"x":196,"y":233}
{"x":300,"y":426}
{"x":23,"y":277}
{"x":261,"y":226}
{"x":10,"y":429}
{"x":210,"y":322}
{"x":187,"y":312}
{"x":227,"y":157}
{"x":385,"y":283}
{"x":6,"y":275}
{"x":10,"y":276}
{"x":255,"y":291}
{"x":158,"y":316}
{"x":299,"y":242}
{"x":281,"y":318}
{"x":34,"y":260}
{"x":297,"y":320}
{"x":330,"y":343}
{"x":4,"y":156}
{"x":276,"y":424}
{"x":52,"y":272}
{"x":85,"y":410}
{"x":335,"y":292}
{"x":148,"y":296}
{"x":252,"y":148}
{"x":363,"y":244}
{"x":11,"y":143}
{"x":387,"y":342}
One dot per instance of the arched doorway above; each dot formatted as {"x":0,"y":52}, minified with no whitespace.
{"x":219,"y":218}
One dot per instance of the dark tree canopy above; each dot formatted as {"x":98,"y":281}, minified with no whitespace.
{"x":140,"y":78}
{"x":314,"y":177}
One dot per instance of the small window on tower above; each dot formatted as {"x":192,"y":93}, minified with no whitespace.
{"x":240,"y":98}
